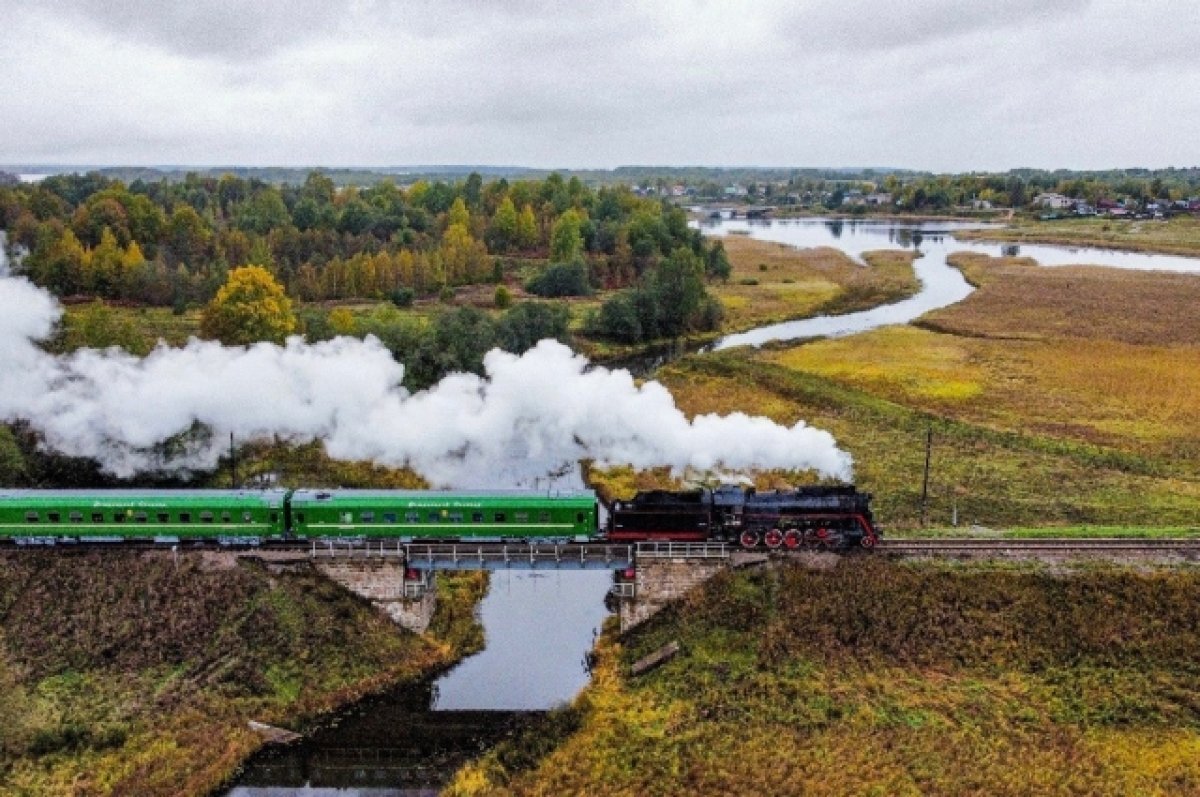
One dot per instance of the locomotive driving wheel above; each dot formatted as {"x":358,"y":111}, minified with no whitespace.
{"x":773,"y":538}
{"x":749,"y":539}
{"x":792,"y":539}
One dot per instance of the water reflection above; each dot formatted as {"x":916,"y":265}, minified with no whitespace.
{"x":540,"y":626}
{"x":390,"y":746}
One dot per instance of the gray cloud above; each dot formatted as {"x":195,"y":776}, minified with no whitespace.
{"x":928,"y":84}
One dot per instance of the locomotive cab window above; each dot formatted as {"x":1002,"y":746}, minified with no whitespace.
{"x":32,"y":517}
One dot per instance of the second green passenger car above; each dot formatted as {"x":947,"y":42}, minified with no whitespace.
{"x":415,"y":515}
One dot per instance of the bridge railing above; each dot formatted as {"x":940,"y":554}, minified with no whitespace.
{"x":359,"y":549}
{"x":682,"y":550}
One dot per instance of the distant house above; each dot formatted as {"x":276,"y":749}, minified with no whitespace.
{"x":736,"y":190}
{"x":878,"y":199}
{"x":1084,"y":209}
{"x":1051,"y":200}
{"x":1119,"y":211}
{"x":981,"y":204}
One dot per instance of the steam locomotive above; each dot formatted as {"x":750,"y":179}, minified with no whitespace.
{"x":829,"y":518}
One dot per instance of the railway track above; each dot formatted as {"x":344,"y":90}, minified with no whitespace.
{"x":1042,"y":545}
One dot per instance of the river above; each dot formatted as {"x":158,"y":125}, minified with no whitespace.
{"x":941,"y":283}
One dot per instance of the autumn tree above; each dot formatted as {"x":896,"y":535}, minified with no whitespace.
{"x":566,"y":238}
{"x":502,"y":234}
{"x":527,"y":229}
{"x":249,"y":307}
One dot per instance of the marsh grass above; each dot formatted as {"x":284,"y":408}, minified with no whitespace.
{"x":872,"y":678}
{"x":127,"y":674}
{"x":1180,"y":235}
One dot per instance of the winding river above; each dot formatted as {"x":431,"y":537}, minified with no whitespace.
{"x":941,"y":283}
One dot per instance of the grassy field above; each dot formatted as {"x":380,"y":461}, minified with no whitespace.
{"x":1177,"y":236}
{"x":774,"y":282}
{"x":123,"y":674}
{"x":881,"y":679}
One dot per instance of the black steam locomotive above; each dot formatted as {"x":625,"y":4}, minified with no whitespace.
{"x":824,"y":518}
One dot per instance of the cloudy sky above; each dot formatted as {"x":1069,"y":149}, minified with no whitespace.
{"x":928,"y":84}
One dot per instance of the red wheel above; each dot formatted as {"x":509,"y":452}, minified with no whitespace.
{"x":749,"y":539}
{"x":869,"y":541}
{"x":792,"y":539}
{"x":822,"y":534}
{"x":773,"y":538}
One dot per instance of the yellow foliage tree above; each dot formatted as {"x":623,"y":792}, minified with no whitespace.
{"x":250,"y":306}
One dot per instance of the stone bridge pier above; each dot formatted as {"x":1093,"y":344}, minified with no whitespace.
{"x":664,"y":573}
{"x":410,"y":603}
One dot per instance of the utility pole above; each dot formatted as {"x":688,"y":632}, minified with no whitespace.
{"x":925,"y":481}
{"x":233,"y":463}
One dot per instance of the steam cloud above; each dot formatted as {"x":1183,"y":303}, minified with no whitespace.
{"x":528,"y":416}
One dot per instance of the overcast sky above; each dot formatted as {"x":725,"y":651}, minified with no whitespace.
{"x":947,"y":85}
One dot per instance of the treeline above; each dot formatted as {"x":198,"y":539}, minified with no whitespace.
{"x":172,"y":243}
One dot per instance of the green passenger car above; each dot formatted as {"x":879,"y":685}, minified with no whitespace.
{"x":141,"y":514}
{"x":415,"y":515}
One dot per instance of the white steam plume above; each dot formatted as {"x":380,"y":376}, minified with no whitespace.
{"x":528,"y":416}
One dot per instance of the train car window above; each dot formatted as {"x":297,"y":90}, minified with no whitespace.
{"x":274,"y":517}
{"x":226,"y":517}
{"x":164,"y":517}
{"x":389,"y":517}
{"x":367,"y":517}
{"x":248,"y":517}
{"x":412,"y":517}
{"x":476,"y":517}
{"x":434,"y":517}
{"x":347,"y":517}
{"x":543,"y":517}
{"x":76,"y":517}
{"x":299,"y":517}
{"x":456,"y":517}
{"x":522,"y":517}
{"x":32,"y":517}
{"x":185,"y":517}
{"x":118,"y":517}
{"x":54,"y":517}
{"x":500,"y":517}
{"x":97,"y":517}
{"x":579,"y":516}
{"x":141,"y":517}
{"x":206,"y":517}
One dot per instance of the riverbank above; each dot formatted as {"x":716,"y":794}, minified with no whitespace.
{"x":139,"y":674}
{"x":889,"y":678}
{"x":1176,"y":236}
